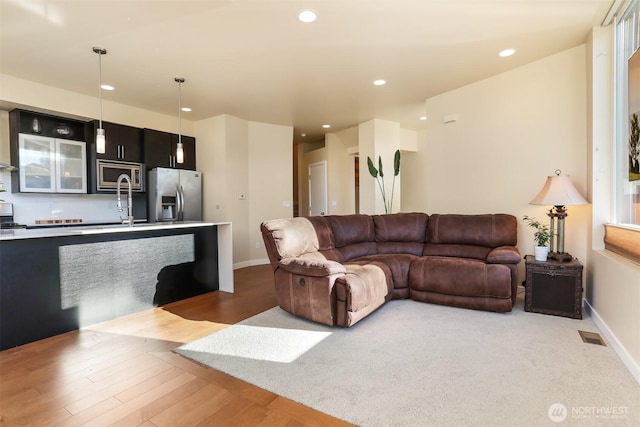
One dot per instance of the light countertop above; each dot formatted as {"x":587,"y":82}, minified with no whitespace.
{"x":35,"y":233}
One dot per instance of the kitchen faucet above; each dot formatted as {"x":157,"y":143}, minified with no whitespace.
{"x":129,"y":220}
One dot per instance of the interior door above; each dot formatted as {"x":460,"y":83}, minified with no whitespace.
{"x":318,"y":189}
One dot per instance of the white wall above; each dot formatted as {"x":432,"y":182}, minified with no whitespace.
{"x":270,"y":180}
{"x":238,"y":157}
{"x":26,"y":94}
{"x":210,"y":160}
{"x":512,"y":131}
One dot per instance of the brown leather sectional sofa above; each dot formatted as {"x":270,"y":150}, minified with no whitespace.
{"x":338,"y":269}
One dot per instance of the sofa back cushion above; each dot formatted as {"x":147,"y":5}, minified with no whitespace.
{"x":354,"y":235}
{"x":490,"y":230}
{"x":456,"y":251}
{"x":401,"y":233}
{"x":290,"y":237}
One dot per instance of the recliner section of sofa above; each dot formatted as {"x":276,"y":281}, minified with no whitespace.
{"x":338,"y":269}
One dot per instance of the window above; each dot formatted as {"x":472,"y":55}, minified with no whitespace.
{"x":623,"y":236}
{"x":627,"y":141}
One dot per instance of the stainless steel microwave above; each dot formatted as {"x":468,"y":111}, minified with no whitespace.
{"x":108,"y":172}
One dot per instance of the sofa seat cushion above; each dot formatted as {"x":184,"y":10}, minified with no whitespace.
{"x":360,"y":291}
{"x":398,"y":265}
{"x":461,"y":277}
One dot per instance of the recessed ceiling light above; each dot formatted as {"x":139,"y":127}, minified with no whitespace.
{"x":507,"y":52}
{"x":186,"y":109}
{"x":107,"y":87}
{"x":423,"y":118}
{"x":379,"y":82}
{"x":307,"y":15}
{"x":303,"y":134}
{"x":326,"y":126}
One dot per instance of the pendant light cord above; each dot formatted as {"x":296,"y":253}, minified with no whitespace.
{"x":179,"y":112}
{"x":100,"y":84}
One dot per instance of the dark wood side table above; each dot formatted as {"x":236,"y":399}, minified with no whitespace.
{"x":553,"y":287}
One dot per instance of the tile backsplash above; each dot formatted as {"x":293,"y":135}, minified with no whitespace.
{"x":31,"y":207}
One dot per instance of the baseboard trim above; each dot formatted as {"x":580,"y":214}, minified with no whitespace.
{"x":613,"y":341}
{"x":250,"y":263}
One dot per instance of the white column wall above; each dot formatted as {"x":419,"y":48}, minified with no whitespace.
{"x":378,"y":138}
{"x":270,"y":180}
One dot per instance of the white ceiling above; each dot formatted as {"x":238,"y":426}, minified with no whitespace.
{"x":253,"y":59}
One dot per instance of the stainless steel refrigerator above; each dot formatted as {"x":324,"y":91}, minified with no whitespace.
{"x":174,"y":195}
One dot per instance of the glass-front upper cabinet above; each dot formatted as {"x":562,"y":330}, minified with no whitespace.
{"x":71,"y":171}
{"x":51,"y":165}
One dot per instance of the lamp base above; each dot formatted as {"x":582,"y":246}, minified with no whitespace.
{"x":560,"y":256}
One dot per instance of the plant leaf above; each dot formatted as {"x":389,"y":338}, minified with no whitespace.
{"x":372,"y":170}
{"x":396,"y":163}
{"x":380,"y":166}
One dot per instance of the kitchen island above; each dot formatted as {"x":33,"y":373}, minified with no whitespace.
{"x":55,"y":280}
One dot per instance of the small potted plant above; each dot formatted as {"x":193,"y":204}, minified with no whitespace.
{"x":542,"y":236}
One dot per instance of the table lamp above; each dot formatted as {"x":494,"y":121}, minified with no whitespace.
{"x":558,"y":191}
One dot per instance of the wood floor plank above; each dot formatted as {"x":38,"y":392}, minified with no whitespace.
{"x":303,"y":414}
{"x":229,"y":413}
{"x":150,"y":384}
{"x":118,"y":382}
{"x":124,"y":372}
{"x":86,"y":417}
{"x":127,"y":408}
{"x":45,"y":418}
{"x":161,"y":404}
{"x":195,"y":408}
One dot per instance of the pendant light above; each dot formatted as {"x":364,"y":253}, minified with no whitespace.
{"x":100,"y":136}
{"x":179,"y":148}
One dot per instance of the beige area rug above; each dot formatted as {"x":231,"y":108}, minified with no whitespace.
{"x":417,"y":364}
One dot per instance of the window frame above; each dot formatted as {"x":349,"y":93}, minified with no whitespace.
{"x":622,"y":235}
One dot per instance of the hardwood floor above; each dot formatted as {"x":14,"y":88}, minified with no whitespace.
{"x":124,"y":373}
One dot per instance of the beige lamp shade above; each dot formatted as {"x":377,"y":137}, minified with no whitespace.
{"x":558,"y":190}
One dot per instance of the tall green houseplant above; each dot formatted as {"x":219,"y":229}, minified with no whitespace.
{"x":379,"y":177}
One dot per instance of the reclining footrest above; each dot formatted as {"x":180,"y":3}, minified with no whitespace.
{"x":361,"y":291}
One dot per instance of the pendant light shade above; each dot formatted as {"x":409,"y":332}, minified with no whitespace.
{"x":179,"y":147}
{"x":101,"y":142}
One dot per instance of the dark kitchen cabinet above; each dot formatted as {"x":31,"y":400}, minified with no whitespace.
{"x":46,"y":125}
{"x":160,"y":150}
{"x":49,"y":151}
{"x":122,"y":142}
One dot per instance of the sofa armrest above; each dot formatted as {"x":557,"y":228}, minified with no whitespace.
{"x":504,"y":255}
{"x":311,"y":267}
